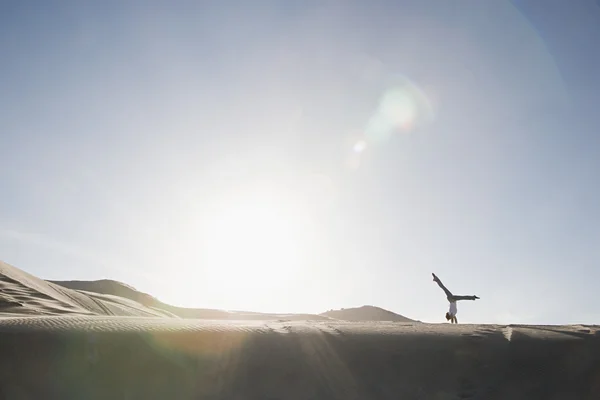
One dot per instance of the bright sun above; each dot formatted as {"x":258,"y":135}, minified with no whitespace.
{"x":255,"y":240}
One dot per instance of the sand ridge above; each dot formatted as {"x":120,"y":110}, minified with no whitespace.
{"x":105,"y":357}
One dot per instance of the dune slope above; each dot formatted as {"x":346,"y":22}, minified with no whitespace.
{"x":149,"y":358}
{"x":23,"y":293}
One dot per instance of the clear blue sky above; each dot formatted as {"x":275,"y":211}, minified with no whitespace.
{"x":297,"y":156}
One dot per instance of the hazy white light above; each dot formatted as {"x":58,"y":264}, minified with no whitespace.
{"x":254,"y":242}
{"x":359,"y":146}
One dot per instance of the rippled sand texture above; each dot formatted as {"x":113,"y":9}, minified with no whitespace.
{"x":151,"y":358}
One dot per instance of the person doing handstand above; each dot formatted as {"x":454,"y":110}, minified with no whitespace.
{"x":451,"y":314}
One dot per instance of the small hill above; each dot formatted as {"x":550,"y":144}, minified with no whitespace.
{"x":366,"y":313}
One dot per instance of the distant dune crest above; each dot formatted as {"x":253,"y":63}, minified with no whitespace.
{"x":366,"y":313}
{"x":24,"y":294}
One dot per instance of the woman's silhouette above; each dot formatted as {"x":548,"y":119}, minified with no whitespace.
{"x":451,"y":314}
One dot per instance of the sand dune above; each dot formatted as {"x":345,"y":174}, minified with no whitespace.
{"x":61,"y":342}
{"x":23,"y":293}
{"x":111,"y":287}
{"x":366,"y":313}
{"x":95,"y":357}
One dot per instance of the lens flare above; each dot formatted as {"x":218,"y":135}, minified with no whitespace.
{"x":402,"y":108}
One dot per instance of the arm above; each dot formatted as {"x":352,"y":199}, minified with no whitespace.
{"x":440,"y":284}
{"x":465,"y":298}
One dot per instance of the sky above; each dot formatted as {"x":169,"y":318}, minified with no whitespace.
{"x":300,"y":156}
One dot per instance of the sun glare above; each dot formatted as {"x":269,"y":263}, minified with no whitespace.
{"x":255,"y":241}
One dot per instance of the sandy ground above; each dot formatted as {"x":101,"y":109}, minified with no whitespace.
{"x":91,"y":357}
{"x":63,"y":343}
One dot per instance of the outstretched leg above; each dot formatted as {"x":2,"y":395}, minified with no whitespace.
{"x":456,"y":298}
{"x":437,"y":280}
